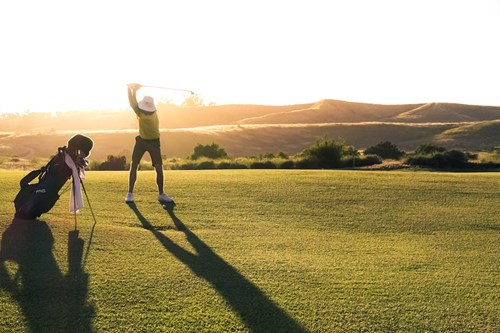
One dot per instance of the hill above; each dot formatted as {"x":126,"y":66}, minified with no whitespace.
{"x":245,"y":130}
{"x":447,"y":112}
{"x":482,"y":134}
{"x":249,"y":140}
{"x":332,"y":111}
{"x":325,"y":111}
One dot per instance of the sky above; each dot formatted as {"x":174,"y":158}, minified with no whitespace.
{"x":59,"y":55}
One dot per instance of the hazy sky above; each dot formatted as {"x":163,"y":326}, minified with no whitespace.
{"x":67,"y":54}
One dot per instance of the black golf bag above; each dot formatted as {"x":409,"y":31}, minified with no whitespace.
{"x":35,"y":199}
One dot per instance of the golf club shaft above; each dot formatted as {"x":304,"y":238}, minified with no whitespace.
{"x":167,"y":88}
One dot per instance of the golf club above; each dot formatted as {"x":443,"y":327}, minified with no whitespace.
{"x":167,"y":88}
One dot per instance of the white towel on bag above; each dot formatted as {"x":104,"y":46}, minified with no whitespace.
{"x":75,"y":199}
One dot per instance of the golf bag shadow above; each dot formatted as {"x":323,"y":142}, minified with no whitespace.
{"x":35,"y":199}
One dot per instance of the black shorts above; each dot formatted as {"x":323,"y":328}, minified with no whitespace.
{"x":151,"y":146}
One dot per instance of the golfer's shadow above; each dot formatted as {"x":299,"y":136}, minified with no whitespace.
{"x":49,"y":300}
{"x":257,"y":311}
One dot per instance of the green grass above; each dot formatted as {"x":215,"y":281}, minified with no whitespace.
{"x":260,"y":251}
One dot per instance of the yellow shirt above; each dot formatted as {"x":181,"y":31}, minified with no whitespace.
{"x":149,"y":126}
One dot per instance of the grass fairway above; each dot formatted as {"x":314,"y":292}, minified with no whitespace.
{"x":259,"y":251}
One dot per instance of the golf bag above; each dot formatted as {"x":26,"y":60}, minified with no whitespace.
{"x":35,"y":199}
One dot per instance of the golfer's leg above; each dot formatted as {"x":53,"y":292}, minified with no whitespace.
{"x":137,"y":154}
{"x":159,"y":177}
{"x":155,"y":153}
{"x":132,"y":176}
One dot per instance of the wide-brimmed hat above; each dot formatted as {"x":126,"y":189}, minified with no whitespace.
{"x":147,"y":104}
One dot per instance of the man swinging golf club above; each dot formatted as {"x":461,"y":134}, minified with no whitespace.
{"x":148,"y":140}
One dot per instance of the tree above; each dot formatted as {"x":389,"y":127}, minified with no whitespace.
{"x":212,"y":151}
{"x":385,"y":149}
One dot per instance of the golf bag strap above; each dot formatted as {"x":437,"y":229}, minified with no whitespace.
{"x":40,"y":172}
{"x":29,"y":177}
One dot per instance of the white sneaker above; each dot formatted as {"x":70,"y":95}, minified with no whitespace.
{"x":164,"y":198}
{"x":129,"y":197}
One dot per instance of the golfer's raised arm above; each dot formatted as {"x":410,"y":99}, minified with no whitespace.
{"x":132,"y":98}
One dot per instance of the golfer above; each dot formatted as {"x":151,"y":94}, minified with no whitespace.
{"x":147,"y":141}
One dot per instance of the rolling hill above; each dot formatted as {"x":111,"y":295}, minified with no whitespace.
{"x":245,"y":130}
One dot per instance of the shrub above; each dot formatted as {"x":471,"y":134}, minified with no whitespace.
{"x":205,"y":165}
{"x":231,"y":165}
{"x":186,"y":166}
{"x":306,"y":163}
{"x":146,"y":166}
{"x":287,"y":165}
{"x":428,"y":148}
{"x":446,"y":159}
{"x":370,"y":160}
{"x":282,"y":155}
{"x":268,"y":155}
{"x":385,"y":149}
{"x":212,"y":151}
{"x":114,"y":163}
{"x":325,"y":153}
{"x":456,"y":158}
{"x":350,"y":151}
{"x":94,"y":165}
{"x":361,"y":161}
{"x":472,"y":156}
{"x":263,"y":165}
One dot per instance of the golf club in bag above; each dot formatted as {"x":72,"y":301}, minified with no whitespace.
{"x":35,"y":199}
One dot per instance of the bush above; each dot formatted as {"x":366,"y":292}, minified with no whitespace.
{"x":446,"y":159}
{"x":385,"y":150}
{"x":94,"y":165}
{"x":427,"y":149}
{"x":263,"y":165}
{"x":361,"y":161}
{"x":456,"y":158}
{"x":350,"y":151}
{"x":472,"y":156}
{"x":268,"y":155}
{"x":205,"y":165}
{"x":146,"y":166}
{"x":231,"y":165}
{"x":114,"y":163}
{"x":325,"y":153}
{"x":370,"y":160}
{"x":282,"y":155}
{"x":287,"y":165}
{"x":212,"y":151}
{"x":306,"y":164}
{"x":185,"y":166}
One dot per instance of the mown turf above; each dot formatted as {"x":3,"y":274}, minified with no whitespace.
{"x":259,"y":251}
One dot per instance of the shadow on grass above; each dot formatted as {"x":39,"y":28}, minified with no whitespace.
{"x":258,"y":312}
{"x":50,"y":301}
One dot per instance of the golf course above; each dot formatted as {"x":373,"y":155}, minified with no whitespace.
{"x":258,"y":251}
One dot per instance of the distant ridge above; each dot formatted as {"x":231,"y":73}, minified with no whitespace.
{"x":245,"y":130}
{"x":440,"y":112}
{"x":334,"y":111}
{"x":346,"y":112}
{"x":324,"y":111}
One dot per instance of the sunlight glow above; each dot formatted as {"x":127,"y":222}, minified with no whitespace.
{"x":59,"y":55}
